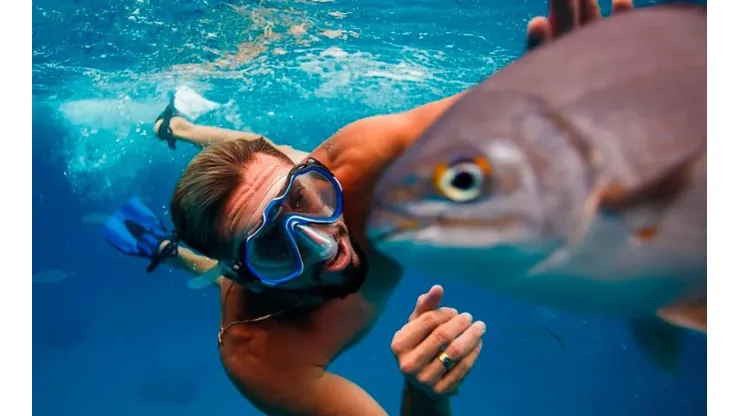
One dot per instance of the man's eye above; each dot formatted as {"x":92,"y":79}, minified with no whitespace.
{"x":297,"y":198}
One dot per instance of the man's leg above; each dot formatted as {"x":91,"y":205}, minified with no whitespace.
{"x":191,"y":262}
{"x":202,"y":136}
{"x":205,"y":136}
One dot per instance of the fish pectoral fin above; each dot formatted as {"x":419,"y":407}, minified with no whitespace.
{"x":688,"y":315}
{"x":660,"y":341}
{"x":656,"y":191}
{"x":640,"y":203}
{"x":551,"y":262}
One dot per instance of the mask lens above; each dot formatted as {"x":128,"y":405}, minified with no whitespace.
{"x":271,"y":254}
{"x":311,"y":195}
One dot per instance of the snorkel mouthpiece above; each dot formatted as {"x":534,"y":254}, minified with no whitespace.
{"x":319,"y":245}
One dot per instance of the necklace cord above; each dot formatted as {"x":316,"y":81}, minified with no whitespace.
{"x":222,"y":332}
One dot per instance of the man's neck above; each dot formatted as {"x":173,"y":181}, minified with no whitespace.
{"x":241,"y":303}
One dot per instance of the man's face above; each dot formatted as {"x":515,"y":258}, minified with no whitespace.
{"x":264,"y":178}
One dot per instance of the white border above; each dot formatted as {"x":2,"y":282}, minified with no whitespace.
{"x":723,"y":222}
{"x":15,"y":209}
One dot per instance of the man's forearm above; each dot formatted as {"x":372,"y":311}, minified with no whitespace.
{"x":417,"y":120}
{"x":418,"y":403}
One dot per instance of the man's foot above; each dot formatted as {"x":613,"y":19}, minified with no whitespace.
{"x":185,"y":104}
{"x":163,"y":125}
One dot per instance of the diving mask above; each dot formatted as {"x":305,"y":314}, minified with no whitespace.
{"x":289,"y":235}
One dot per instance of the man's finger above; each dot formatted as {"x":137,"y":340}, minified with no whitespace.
{"x":428,"y":301}
{"x":588,"y":11}
{"x":538,"y":32}
{"x":457,"y":351}
{"x":563,"y":16}
{"x":414,"y":332}
{"x":450,"y":382}
{"x":619,"y":6}
{"x":438,"y":339}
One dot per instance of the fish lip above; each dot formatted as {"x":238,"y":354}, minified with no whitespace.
{"x":389,"y":221}
{"x":377,"y":236}
{"x":396,"y":221}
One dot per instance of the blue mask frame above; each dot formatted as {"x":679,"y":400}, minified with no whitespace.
{"x":288,"y":222}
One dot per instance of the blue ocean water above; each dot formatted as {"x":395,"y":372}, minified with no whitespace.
{"x":109,"y":339}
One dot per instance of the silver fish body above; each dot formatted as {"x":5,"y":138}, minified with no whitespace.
{"x":574,"y":178}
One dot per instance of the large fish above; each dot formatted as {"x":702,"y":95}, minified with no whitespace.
{"x":573,"y":178}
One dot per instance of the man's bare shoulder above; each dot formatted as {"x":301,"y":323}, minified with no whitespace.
{"x":362,"y":141}
{"x":374,"y":141}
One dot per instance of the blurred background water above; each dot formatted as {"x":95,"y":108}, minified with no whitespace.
{"x":108,"y":339}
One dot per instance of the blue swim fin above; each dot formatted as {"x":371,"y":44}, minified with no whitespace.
{"x":135,"y":230}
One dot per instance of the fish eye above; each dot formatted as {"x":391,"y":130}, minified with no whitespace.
{"x":461,"y":181}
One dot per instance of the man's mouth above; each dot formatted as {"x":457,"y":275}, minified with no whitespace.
{"x":341,"y":259}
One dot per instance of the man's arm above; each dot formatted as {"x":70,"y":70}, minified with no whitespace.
{"x":286,"y":378}
{"x":417,"y":402}
{"x":316,"y":392}
{"x":415,"y":121}
{"x":430,"y":329}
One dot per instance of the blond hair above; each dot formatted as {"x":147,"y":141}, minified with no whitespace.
{"x":204,"y":189}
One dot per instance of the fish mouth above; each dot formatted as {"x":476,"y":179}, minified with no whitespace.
{"x":388,"y":223}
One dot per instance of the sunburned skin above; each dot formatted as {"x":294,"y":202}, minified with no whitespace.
{"x":249,"y":201}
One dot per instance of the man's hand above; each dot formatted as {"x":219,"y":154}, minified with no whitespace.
{"x":564,"y":16}
{"x":431,"y":331}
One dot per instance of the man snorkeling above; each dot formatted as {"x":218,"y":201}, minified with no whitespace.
{"x":299,"y":282}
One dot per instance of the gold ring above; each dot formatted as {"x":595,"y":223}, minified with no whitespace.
{"x":446,"y":361}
